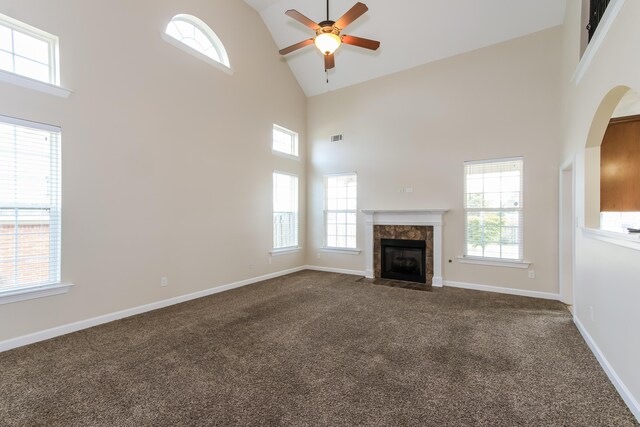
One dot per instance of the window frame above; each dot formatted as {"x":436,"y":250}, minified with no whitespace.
{"x":224,"y":64}
{"x":52,"y":42}
{"x":294,"y":246}
{"x":52,"y":85}
{"x":488,"y":260}
{"x":327,"y":211}
{"x":53,"y":286}
{"x":295,"y":154}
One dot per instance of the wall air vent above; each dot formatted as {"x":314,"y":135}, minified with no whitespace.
{"x":337,"y":138}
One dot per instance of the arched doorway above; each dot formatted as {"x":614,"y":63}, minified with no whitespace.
{"x":611,"y":159}
{"x":599,"y":125}
{"x":620,"y":101}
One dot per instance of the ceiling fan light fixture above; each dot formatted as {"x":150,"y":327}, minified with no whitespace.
{"x":327,"y":43}
{"x":328,"y":34}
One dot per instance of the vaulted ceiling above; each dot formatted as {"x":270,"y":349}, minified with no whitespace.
{"x":411,"y":32}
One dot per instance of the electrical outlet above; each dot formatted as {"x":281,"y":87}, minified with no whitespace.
{"x":532,"y":274}
{"x":318,"y":255}
{"x":408,"y":190}
{"x":164,"y":281}
{"x":592,"y":313}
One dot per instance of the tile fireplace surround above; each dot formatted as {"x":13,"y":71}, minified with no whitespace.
{"x":416,"y":217}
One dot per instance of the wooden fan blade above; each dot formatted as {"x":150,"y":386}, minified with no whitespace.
{"x":329,"y":62}
{"x":360,"y":42}
{"x":296,"y":46}
{"x":352,"y":14}
{"x":302,"y":19}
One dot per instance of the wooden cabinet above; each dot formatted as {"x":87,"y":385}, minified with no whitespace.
{"x":620,"y":166}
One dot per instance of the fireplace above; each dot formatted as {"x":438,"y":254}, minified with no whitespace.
{"x":411,"y":224}
{"x":403,"y":260}
{"x":409,"y":247}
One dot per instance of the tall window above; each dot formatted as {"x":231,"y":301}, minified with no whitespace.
{"x":193,"y":33}
{"x":341,"y":201}
{"x":29,"y":204}
{"x":285,"y":210}
{"x":493,"y":208}
{"x":27,"y":51}
{"x":285,"y":141}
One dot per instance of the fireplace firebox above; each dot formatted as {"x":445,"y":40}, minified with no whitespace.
{"x":403,"y":260}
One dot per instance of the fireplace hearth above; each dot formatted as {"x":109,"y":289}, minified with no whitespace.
{"x":403,"y":260}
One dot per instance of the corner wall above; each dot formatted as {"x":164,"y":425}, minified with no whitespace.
{"x":416,"y":128}
{"x":606,"y":275}
{"x":166,"y":161}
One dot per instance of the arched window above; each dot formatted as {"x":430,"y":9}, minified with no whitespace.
{"x":194,"y":36}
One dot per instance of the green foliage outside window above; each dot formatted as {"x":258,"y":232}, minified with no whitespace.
{"x":483,"y":231}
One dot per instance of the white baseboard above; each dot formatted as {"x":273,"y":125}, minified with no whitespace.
{"x":501,"y":290}
{"x":334,"y":270}
{"x":626,"y":395}
{"x":95,"y":321}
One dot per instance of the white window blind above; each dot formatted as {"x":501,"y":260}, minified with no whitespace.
{"x":195,"y":34}
{"x":285,"y":141}
{"x":29,"y":204}
{"x":28,"y":51}
{"x":493,"y":209}
{"x":341,"y":203}
{"x":285,"y":210}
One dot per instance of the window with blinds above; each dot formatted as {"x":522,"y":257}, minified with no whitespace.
{"x":28,"y":51}
{"x":493,"y":208}
{"x":285,"y":141}
{"x":341,"y":202}
{"x":29,"y":204}
{"x":285,"y":210}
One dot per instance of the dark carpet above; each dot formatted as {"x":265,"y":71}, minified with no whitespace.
{"x":398,"y":284}
{"x":318,"y":349}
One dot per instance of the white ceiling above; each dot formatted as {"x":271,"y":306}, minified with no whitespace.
{"x":411,"y":32}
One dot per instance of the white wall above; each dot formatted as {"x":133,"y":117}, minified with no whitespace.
{"x":607,"y":275}
{"x":166,"y":161}
{"x":417,"y":127}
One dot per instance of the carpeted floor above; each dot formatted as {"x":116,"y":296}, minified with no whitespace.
{"x":318,"y":349}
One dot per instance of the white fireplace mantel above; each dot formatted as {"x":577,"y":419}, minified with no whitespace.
{"x":428,"y":217}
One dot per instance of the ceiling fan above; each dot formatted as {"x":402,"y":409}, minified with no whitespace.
{"x":328,"y":37}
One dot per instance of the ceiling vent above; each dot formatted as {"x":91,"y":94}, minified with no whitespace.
{"x":337,"y":138}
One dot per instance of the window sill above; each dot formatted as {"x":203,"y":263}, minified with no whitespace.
{"x":631,"y":241}
{"x":493,"y":262}
{"x":349,"y":251}
{"x":22,"y":294}
{"x":37,"y":85}
{"x":285,"y":251}
{"x":285,"y":155}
